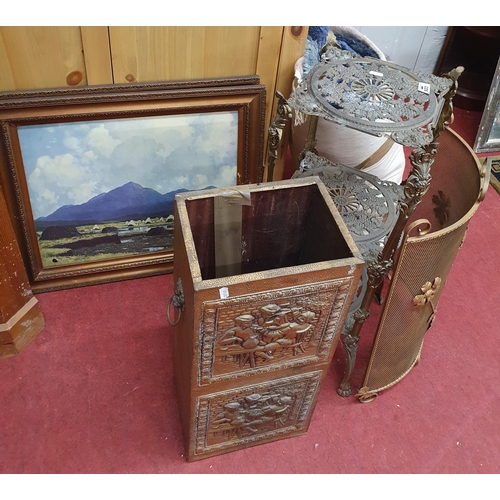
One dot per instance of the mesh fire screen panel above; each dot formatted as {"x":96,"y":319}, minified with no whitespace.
{"x":429,"y":246}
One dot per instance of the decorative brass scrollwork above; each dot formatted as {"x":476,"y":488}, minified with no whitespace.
{"x":275,"y":133}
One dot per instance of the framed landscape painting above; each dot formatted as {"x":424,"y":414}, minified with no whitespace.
{"x":92,"y":173}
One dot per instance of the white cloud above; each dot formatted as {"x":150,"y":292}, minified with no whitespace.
{"x":101,"y":141}
{"x":218,"y":136}
{"x":164,"y":153}
{"x":177,"y":183}
{"x":73,"y":144}
{"x":226,"y":177}
{"x":48,"y":196}
{"x":59,"y":181}
{"x":199,"y":181}
{"x":89,"y":156}
{"x":63,"y":170}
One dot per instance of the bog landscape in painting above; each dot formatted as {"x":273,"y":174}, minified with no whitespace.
{"x":105,"y":189}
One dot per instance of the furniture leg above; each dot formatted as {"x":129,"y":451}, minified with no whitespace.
{"x":376,"y":272}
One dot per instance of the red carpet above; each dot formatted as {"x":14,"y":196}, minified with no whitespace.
{"x":93,"y":393}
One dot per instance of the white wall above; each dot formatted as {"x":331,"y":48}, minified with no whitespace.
{"x":416,"y":47}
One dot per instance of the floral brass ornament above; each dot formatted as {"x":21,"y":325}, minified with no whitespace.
{"x":177,"y":300}
{"x":373,"y":96}
{"x":373,"y":90}
{"x":428,"y":292}
{"x":419,"y":179}
{"x":442,"y":208}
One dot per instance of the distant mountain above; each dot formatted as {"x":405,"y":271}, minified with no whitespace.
{"x":130,"y":201}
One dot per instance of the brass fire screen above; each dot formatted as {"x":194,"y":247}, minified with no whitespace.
{"x":429,"y":246}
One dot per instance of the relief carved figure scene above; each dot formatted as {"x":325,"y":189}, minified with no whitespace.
{"x":258,"y":412}
{"x":269,"y":333}
{"x":252,"y":414}
{"x":266,"y":334}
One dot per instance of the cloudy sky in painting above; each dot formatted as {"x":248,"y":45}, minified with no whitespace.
{"x":69,"y":163}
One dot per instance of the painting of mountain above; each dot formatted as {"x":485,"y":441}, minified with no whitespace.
{"x":130,"y":201}
{"x":104,"y":189}
{"x":129,"y":220}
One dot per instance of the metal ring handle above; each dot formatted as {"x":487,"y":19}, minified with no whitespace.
{"x":178,"y":300}
{"x":173,"y":323}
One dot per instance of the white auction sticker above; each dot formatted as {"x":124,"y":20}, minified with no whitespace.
{"x":224,"y":292}
{"x":424,"y":87}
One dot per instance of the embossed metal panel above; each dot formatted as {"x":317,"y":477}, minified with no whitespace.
{"x":251,"y":347}
{"x":254,"y":413}
{"x":270,"y":331}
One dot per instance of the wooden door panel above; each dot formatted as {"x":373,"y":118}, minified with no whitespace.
{"x":41,"y":57}
{"x":152,"y":53}
{"x":95,"y":41}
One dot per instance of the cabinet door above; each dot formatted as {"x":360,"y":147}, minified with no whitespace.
{"x":41,"y":57}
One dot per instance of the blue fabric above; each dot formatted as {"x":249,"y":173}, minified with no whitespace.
{"x":311,"y":56}
{"x":316,"y":39}
{"x":318,"y":34}
{"x":355,"y":46}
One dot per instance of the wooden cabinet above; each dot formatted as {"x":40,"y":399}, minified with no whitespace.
{"x":21,"y":318}
{"x":181,"y":52}
{"x":39,"y":56}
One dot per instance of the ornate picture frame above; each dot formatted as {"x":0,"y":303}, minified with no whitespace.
{"x":488,"y":136}
{"x":90,"y":173}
